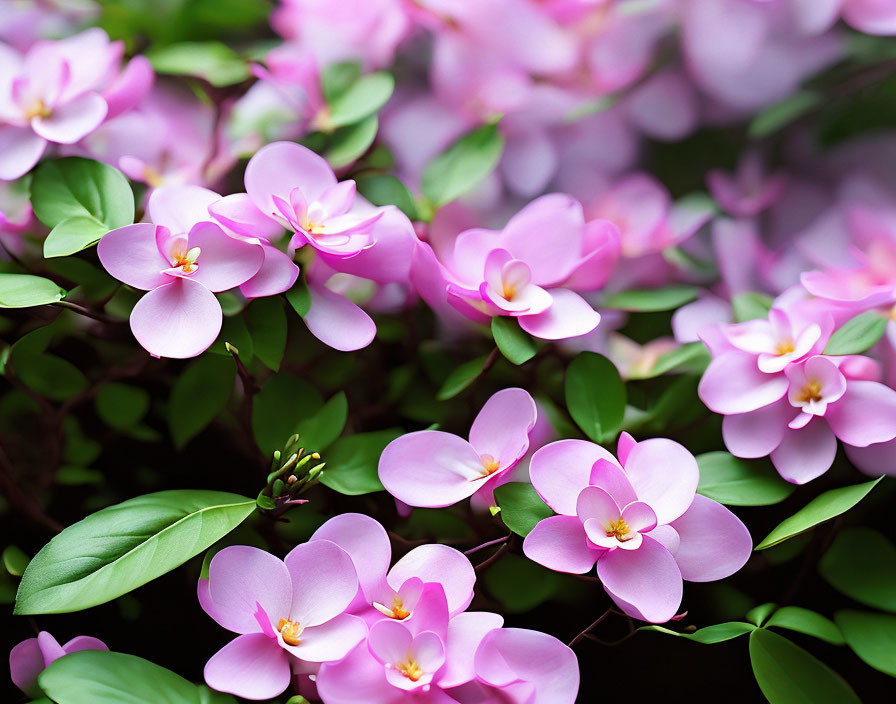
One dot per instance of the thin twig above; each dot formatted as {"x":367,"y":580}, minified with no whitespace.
{"x":82,"y":310}
{"x":496,"y":541}
{"x":494,"y":558}
{"x":585,"y":633}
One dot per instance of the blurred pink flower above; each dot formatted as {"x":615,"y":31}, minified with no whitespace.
{"x":29,"y":658}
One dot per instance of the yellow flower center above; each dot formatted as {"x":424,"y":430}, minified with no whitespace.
{"x":290,"y":630}
{"x":397,"y":611}
{"x":410,"y":669}
{"x":187,"y":260}
{"x":38,"y":109}
{"x":785,"y":347}
{"x":810,"y":392}
{"x":489,"y":465}
{"x":618,"y":529}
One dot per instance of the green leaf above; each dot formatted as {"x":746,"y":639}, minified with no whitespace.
{"x":750,"y":306}
{"x":337,"y":77}
{"x":521,"y":507}
{"x":81,"y":188}
{"x":796,"y":618}
{"x":514,"y":342}
{"x":718,"y":633}
{"x":352,"y":462}
{"x":266,"y":321}
{"x":92,"y":676}
{"x":124,"y":546}
{"x":758,"y":614}
{"x":779,"y":115}
{"x":350,"y":142}
{"x":121,"y":406}
{"x":737,"y":482}
{"x":505,"y":577}
{"x":50,"y":376}
{"x":871,"y":636}
{"x":198,"y":395}
{"x":857,"y":334}
{"x":461,"y":378}
{"x":278,"y":408}
{"x":861,"y":563}
{"x":25,"y":290}
{"x":15,"y":560}
{"x":462,"y":166}
{"x":211,"y":61}
{"x":299,"y":297}
{"x":385,"y":189}
{"x":362,"y":98}
{"x":72,"y":235}
{"x":651,"y":299}
{"x":318,"y":431}
{"x":595,"y":396}
{"x":787,"y":674}
{"x":693,"y":355}
{"x":822,"y":508}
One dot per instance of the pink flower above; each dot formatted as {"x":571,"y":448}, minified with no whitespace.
{"x":749,"y":190}
{"x":61,"y":91}
{"x":433,"y":468}
{"x":396,"y":593}
{"x":522,"y":273}
{"x":638,"y":518}
{"x":29,"y":658}
{"x":182,"y":263}
{"x":285,"y":611}
{"x":298,"y":189}
{"x":749,"y":358}
{"x":826,"y":398}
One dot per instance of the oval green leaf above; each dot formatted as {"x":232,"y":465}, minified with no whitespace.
{"x":521,"y":507}
{"x":857,"y":334}
{"x":871,"y":636}
{"x":25,"y":290}
{"x":93,"y":676}
{"x":822,"y":508}
{"x":461,"y":167}
{"x":352,"y":462}
{"x":461,"y":378}
{"x":211,"y":61}
{"x":198,"y":395}
{"x":124,"y":546}
{"x":861,"y":563}
{"x":796,"y":618}
{"x":595,"y":396}
{"x":652,"y":299}
{"x":514,"y":342}
{"x":362,"y":98}
{"x":736,"y":482}
{"x":718,"y":633}
{"x":787,"y":674}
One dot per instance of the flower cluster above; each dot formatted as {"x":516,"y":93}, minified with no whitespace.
{"x":337,"y":617}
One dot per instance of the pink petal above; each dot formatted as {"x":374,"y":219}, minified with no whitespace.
{"x":570,"y":315}
{"x":551,"y":259}
{"x":511,"y":654}
{"x":665,"y":475}
{"x":179,"y":208}
{"x":20,"y":150}
{"x":666,"y":536}
{"x":688,"y":321}
{"x":874,"y":460}
{"x":366,"y":542}
{"x":807,"y":453}
{"x":224,"y":262}
{"x":501,"y":429}
{"x":278,"y":168}
{"x":277,"y":274}
{"x":560,"y":470}
{"x":871,"y":16}
{"x":714,"y":543}
{"x":559,"y":543}
{"x":645,"y":582}
{"x":129,"y":87}
{"x":733,"y":384}
{"x":239,"y":579}
{"x":238,"y":213}
{"x":624,"y":445}
{"x":251,"y":666}
{"x":339,"y":683}
{"x":865,"y":415}
{"x":324,"y":582}
{"x":329,"y":641}
{"x":465,"y":633}
{"x":177,"y":320}
{"x":338,"y":198}
{"x":595,"y":503}
{"x":431,"y":468}
{"x":72,"y":121}
{"x":602,"y":247}
{"x":610,"y":477}
{"x":132,"y":256}
{"x":441,"y":564}
{"x":337,"y":322}
{"x":389,"y":641}
{"x":639,"y":516}
{"x":79,"y":643}
{"x":759,"y":432}
{"x":26,"y":662}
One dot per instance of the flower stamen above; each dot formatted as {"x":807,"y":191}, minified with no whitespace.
{"x":290,"y":630}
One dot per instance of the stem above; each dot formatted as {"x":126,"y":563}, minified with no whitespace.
{"x":494,"y":558}
{"x":95,"y":315}
{"x":590,"y":628}
{"x":27,"y":505}
{"x":496,"y":541}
